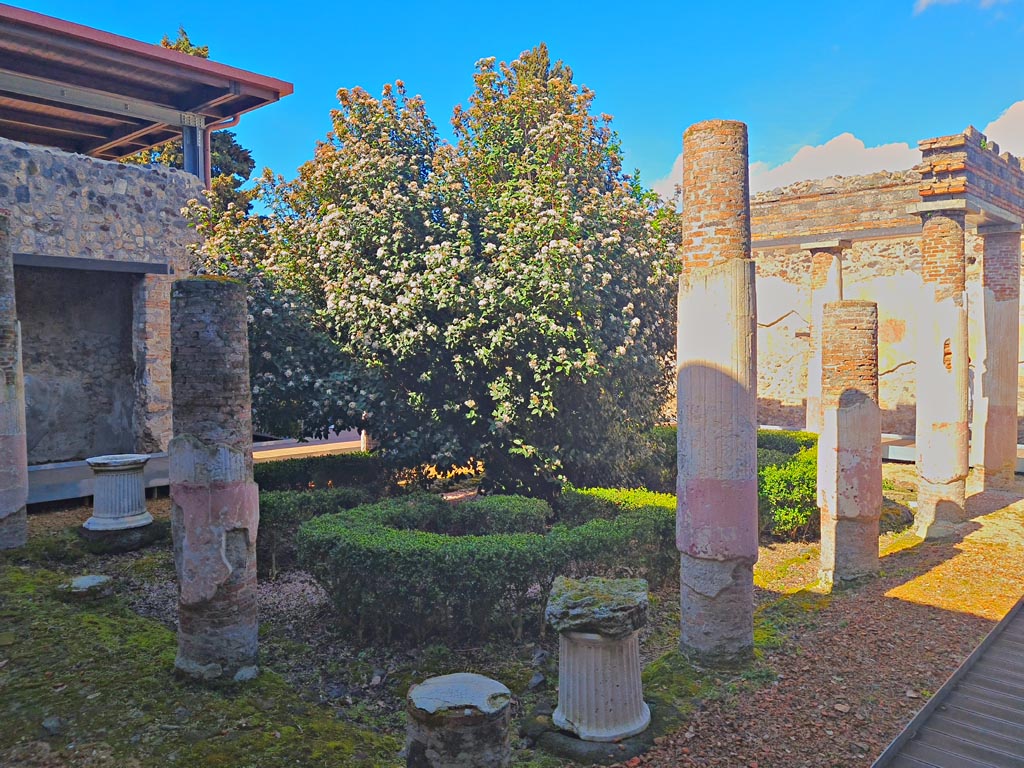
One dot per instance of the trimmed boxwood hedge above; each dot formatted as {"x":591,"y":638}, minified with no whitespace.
{"x":282,"y":512}
{"x":415,"y":567}
{"x":361,"y":469}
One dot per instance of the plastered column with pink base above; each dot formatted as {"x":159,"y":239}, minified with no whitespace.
{"x":942,"y":436}
{"x":13,"y":452}
{"x":994,"y":416}
{"x":716,"y":520}
{"x":850,"y":443}
{"x":215,"y":511}
{"x":826,"y":286}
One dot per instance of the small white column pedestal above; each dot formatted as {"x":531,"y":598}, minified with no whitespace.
{"x":600,"y":697}
{"x":600,"y":694}
{"x":119,"y":497}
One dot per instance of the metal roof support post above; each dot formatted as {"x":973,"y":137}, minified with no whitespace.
{"x":194,"y":147}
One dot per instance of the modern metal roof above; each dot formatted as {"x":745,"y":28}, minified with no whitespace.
{"x":83,"y":90}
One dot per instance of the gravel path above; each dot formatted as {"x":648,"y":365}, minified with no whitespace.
{"x":850,"y":680}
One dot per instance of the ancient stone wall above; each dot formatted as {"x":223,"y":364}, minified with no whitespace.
{"x":884,"y":266}
{"x":88,"y":211}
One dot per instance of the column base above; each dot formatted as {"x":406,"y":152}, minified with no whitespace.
{"x":716,"y":610}
{"x":118,"y":523}
{"x":14,"y":530}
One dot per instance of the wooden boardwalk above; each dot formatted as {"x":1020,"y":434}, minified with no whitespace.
{"x":976,"y":720}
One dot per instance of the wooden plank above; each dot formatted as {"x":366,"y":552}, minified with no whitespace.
{"x":996,"y":697}
{"x":970,"y":732}
{"x":983,"y":721}
{"x":965,"y":701}
{"x":906,"y":761}
{"x":966,"y":749}
{"x":940,"y":758}
{"x":987,"y":668}
{"x":1000,"y":683}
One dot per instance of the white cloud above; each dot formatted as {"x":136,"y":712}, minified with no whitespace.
{"x":920,"y":6}
{"x":845,"y":155}
{"x":1007,"y":130}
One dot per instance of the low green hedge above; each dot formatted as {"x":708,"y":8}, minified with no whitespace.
{"x":785,"y":441}
{"x":282,"y":512}
{"x":788,"y":497}
{"x":416,"y":567}
{"x":363,"y":470}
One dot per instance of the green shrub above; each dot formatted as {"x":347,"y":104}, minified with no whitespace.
{"x":768,"y":457}
{"x":282,"y":512}
{"x":416,"y":567}
{"x":790,"y":442}
{"x":787,"y":497}
{"x":364,"y":470}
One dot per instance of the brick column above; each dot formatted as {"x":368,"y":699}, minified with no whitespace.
{"x":994,"y":416}
{"x":13,"y":452}
{"x":850,"y":445}
{"x":942,"y":437}
{"x":215,"y":509}
{"x":151,"y":342}
{"x":716,"y":522}
{"x":826,"y":286}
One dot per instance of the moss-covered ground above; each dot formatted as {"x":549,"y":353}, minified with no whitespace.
{"x":92,"y":684}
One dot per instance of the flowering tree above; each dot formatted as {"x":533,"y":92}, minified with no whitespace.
{"x":504,"y":298}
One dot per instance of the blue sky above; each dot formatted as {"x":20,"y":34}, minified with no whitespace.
{"x":825,"y":82}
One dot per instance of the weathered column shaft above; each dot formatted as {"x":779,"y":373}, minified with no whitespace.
{"x":942,"y":437}
{"x":716,"y":522}
{"x":215,"y":510}
{"x":850,"y":443}
{"x":826,"y":286}
{"x":994,"y":417}
{"x":13,"y":451}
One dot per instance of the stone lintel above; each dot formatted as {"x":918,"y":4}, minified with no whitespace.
{"x":827,"y":245}
{"x":1000,"y":228}
{"x":932,"y":206}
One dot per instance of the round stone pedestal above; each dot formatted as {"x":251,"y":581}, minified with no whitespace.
{"x":458,"y":721}
{"x":600,"y":697}
{"x":119,"y":496}
{"x":600,"y":694}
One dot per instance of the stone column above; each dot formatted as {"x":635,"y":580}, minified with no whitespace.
{"x":458,"y":721}
{"x":13,"y":451}
{"x":994,"y":386}
{"x":826,"y":286}
{"x":151,"y":346}
{"x":942,"y":437}
{"x":716,"y":521}
{"x":850,"y":443}
{"x":215,"y":509}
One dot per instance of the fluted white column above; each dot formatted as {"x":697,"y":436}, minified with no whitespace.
{"x":600,"y":695}
{"x":119,"y":495}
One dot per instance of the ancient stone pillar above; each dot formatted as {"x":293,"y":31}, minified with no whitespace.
{"x":826,"y":286}
{"x":13,"y":452}
{"x":458,"y":721}
{"x":942,"y":386}
{"x":215,"y":509}
{"x":994,"y":380}
{"x":850,"y":443}
{"x":716,"y":521}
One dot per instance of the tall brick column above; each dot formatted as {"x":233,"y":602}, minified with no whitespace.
{"x":13,"y":452}
{"x":826,"y":286}
{"x":994,"y":417}
{"x":850,"y":444}
{"x":215,"y":510}
{"x":716,"y":520}
{"x":942,"y":437}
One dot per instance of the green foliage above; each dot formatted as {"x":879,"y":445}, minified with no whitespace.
{"x":787,"y":497}
{"x":417,"y":567}
{"x":359,"y":470}
{"x":769,"y":457}
{"x":505,"y":299}
{"x":282,"y":512}
{"x":785,"y":441}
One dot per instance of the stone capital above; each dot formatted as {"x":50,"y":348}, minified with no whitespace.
{"x":827,"y":246}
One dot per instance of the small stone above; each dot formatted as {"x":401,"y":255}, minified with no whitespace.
{"x":844,"y":708}
{"x":912,"y":694}
{"x":540,"y":657}
{"x":89,"y":587}
{"x":53,"y":726}
{"x":245,"y":674}
{"x":536,"y":681}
